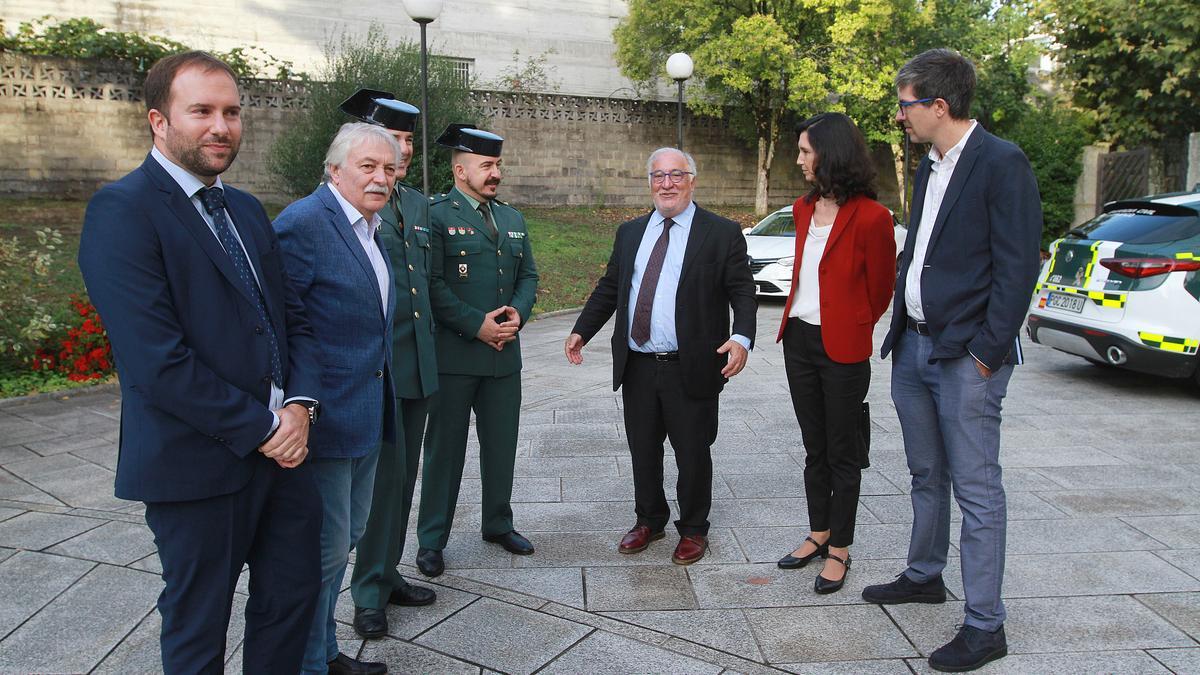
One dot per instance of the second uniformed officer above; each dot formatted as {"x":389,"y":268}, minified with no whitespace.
{"x":482,"y":287}
{"x":405,"y":234}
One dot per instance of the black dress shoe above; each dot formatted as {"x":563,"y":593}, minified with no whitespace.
{"x":823,"y":586}
{"x":344,"y":665}
{"x":512,"y":541}
{"x":408,"y":595}
{"x":970,"y":649}
{"x":904,"y":590}
{"x":430,"y":562}
{"x":791,"y":562}
{"x":370,"y":623}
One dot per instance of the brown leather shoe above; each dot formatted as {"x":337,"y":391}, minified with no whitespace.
{"x":690,"y":549}
{"x":637,"y":539}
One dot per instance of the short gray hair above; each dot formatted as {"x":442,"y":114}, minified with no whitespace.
{"x":691,"y":161}
{"x":349,"y":136}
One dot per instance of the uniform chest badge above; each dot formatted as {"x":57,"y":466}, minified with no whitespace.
{"x":462,"y":270}
{"x":470,"y":230}
{"x":516,"y":235}
{"x":450,"y":231}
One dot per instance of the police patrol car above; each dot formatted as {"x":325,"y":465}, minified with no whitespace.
{"x":1124,"y":288}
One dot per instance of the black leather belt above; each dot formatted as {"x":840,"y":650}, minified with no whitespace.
{"x":657,"y":356}
{"x":919,"y":327}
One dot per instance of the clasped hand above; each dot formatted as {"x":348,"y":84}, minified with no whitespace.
{"x":289,"y":445}
{"x":500,"y":327}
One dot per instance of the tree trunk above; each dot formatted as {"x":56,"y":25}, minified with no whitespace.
{"x":898,"y":156}
{"x":766,"y":153}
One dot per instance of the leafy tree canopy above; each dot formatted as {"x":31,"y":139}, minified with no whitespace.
{"x":1137,"y":64}
{"x":373,"y":61}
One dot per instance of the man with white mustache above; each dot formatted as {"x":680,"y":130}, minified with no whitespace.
{"x":338,"y":266}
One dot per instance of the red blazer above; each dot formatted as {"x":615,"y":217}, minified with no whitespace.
{"x":857,"y":273}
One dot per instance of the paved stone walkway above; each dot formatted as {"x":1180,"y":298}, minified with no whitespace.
{"x":1103,"y":574}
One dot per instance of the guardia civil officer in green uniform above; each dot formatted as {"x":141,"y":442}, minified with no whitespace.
{"x":482,"y":286}
{"x":405,"y":234}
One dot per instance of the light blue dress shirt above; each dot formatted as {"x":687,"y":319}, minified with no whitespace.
{"x":662,"y":314}
{"x":191,"y":186}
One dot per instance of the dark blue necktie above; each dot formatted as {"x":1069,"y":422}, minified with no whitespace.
{"x":213,"y":200}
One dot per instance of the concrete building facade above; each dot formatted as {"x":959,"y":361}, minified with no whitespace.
{"x":481,"y":35}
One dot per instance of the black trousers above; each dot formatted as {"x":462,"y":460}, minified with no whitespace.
{"x":657,"y":408}
{"x":827,"y":397}
{"x":274,"y":524}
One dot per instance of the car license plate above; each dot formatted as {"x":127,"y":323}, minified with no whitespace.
{"x":1071,"y":303}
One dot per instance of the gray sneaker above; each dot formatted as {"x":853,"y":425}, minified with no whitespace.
{"x":904,"y":590}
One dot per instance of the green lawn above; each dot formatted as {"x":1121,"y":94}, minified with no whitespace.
{"x":571,"y":246}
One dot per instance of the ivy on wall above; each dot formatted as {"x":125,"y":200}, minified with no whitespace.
{"x":83,"y":38}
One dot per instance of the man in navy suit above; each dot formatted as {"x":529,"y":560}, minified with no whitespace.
{"x":968,"y":269}
{"x":208,"y":336}
{"x":338,"y":265}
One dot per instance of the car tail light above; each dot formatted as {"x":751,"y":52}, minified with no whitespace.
{"x":1139,"y":268}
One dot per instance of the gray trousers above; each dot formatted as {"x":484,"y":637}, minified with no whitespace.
{"x":950,"y":416}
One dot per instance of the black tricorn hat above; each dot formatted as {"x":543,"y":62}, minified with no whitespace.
{"x":381,"y":108}
{"x":467,"y":138}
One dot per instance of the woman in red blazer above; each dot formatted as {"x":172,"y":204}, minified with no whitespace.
{"x":842,"y":278}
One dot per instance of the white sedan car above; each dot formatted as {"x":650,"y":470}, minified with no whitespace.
{"x":772,"y":248}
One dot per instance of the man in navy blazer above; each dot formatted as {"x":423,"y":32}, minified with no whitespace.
{"x":208,"y":336}
{"x":968,"y":269}
{"x":338,"y":265}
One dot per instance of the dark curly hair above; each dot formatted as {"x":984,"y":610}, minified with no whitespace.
{"x":844,"y":167}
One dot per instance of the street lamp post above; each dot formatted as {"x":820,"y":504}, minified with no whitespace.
{"x":679,"y":67}
{"x":424,"y":12}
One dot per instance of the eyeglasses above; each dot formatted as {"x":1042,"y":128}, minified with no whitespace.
{"x":905,"y":105}
{"x":676,"y":176}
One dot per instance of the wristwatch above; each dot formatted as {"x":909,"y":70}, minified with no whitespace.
{"x":314,"y":410}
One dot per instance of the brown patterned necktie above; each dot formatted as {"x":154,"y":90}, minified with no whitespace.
{"x":640,"y":331}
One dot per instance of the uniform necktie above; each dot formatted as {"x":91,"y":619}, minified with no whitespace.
{"x":640,"y":331}
{"x":213,"y":200}
{"x":487,"y":217}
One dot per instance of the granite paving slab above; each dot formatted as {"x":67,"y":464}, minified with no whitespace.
{"x":1051,"y":625}
{"x":79,"y":628}
{"x":605,"y":653}
{"x":871,"y":667}
{"x":509,"y":639}
{"x":797,"y":634}
{"x":34,"y":531}
{"x":115,"y":542}
{"x":406,"y":623}
{"x":643,"y":587}
{"x":412,"y":658}
{"x":1103,"y":571}
{"x":558,"y":584}
{"x":31,"y":581}
{"x":589,"y":549}
{"x":723,"y":629}
{"x":1177,"y":660}
{"x":1087,"y":663}
{"x":871,"y":541}
{"x":1125,"y":502}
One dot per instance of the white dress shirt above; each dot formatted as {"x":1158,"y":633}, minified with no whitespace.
{"x":806,"y":305}
{"x":662,"y":313}
{"x":366,"y":237}
{"x":940,"y":172}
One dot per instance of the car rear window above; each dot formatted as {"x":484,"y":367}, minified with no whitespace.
{"x":1148,"y":224}
{"x":775,"y":225}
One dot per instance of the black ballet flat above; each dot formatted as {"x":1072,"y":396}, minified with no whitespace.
{"x":824,"y":586}
{"x":791,"y":562}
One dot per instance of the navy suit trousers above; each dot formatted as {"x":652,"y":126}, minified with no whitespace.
{"x":274,"y":525}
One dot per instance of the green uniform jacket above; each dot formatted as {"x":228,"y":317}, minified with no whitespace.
{"x":474,"y":273}
{"x":414,"y":364}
